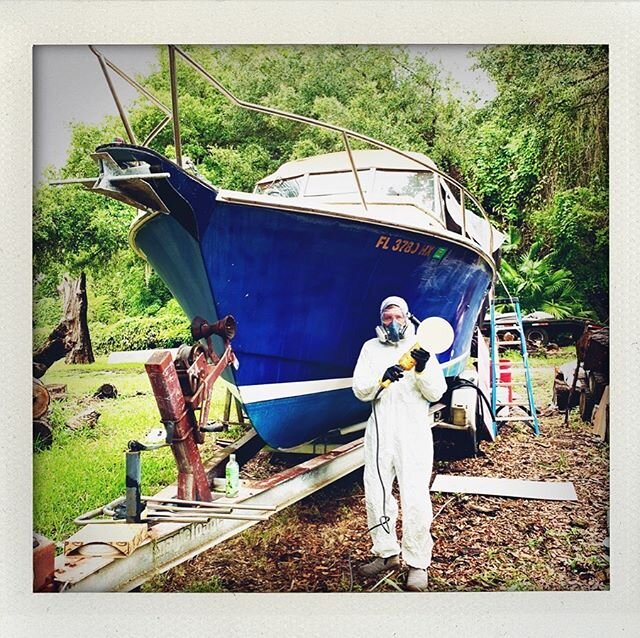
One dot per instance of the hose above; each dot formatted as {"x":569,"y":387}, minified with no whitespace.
{"x":466,"y":383}
{"x":384,"y":519}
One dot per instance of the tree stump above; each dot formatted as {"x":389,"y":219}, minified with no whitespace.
{"x":70,"y":338}
{"x":40,"y":399}
{"x":86,"y":419}
{"x":74,"y":304}
{"x":106,"y":391}
{"x":57,"y":391}
{"x":42,"y":434}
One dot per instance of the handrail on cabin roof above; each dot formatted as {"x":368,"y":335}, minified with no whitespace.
{"x":173,"y":115}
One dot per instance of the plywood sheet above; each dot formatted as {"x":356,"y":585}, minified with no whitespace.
{"x":515,"y":488}
{"x":123,"y":538}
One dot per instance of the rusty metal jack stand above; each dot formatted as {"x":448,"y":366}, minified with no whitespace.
{"x":181,"y":387}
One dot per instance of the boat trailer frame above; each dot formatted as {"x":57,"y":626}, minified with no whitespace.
{"x":135,"y":537}
{"x":170,"y":543}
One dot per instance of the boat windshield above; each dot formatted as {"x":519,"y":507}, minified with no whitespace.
{"x":321,"y":184}
{"x":386,"y":183}
{"x":282,"y":187}
{"x":419,"y":185}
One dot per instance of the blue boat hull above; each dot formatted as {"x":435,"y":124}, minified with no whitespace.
{"x":305,"y":290}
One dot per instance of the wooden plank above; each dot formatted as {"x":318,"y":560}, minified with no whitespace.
{"x":515,"y":488}
{"x":600,"y":416}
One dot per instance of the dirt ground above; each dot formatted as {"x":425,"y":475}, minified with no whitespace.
{"x":481,"y":543}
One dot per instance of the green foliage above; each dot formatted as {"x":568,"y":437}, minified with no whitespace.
{"x":74,"y":229}
{"x":46,"y":312}
{"x":536,"y":155}
{"x":560,"y":93}
{"x":506,"y":170}
{"x":540,"y":285}
{"x":576,"y":223}
{"x":128,"y":287}
{"x":234,"y":169}
{"x":166,"y":330}
{"x":124,"y":296}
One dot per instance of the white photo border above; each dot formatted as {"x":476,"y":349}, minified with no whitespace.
{"x":25,"y":24}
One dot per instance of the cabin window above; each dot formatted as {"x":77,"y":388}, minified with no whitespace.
{"x":282,"y":187}
{"x":336,"y":183}
{"x":419,"y":185}
{"x":386,"y":183}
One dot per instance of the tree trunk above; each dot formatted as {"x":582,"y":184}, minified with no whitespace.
{"x":40,"y":399}
{"x":54,"y":348}
{"x":74,"y":310}
{"x":70,"y":338}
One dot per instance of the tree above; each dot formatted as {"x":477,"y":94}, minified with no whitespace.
{"x":378,"y":91}
{"x":73,"y":228}
{"x":560,"y":93}
{"x":538,"y":155}
{"x":575,"y":223}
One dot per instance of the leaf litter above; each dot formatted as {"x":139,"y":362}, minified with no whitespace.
{"x":481,"y":543}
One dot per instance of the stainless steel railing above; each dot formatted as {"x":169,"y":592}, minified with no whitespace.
{"x":346,"y":134}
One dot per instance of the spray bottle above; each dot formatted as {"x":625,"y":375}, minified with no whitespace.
{"x":232,"y":477}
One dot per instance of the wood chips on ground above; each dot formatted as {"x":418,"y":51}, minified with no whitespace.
{"x":481,"y":543}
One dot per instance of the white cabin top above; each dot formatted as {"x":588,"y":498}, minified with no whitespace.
{"x":339,"y":162}
{"x":381,"y":174}
{"x":396,"y":189}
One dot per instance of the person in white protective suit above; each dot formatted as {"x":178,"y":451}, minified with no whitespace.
{"x":398,"y":443}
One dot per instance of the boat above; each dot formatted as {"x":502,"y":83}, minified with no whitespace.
{"x":303,"y":262}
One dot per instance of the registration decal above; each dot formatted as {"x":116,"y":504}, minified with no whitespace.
{"x":409,"y":247}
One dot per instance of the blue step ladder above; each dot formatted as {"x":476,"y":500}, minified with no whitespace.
{"x":508,"y":331}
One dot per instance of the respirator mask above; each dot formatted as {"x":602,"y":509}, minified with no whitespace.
{"x":394,"y":331}
{"x":391,"y":333}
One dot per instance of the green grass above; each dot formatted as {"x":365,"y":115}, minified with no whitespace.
{"x":564,"y":354}
{"x":85,"y":469}
{"x":210,"y":586}
{"x":84,"y":379}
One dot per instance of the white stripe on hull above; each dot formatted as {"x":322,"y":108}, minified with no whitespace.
{"x":269,"y":391}
{"x":273,"y":391}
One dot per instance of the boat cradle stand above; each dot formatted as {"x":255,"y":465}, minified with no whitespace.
{"x":168,"y":544}
{"x":144,"y":536}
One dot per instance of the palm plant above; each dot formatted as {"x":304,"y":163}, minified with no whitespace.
{"x":540,"y":285}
